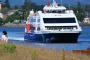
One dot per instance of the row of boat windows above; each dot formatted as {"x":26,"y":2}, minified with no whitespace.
{"x":55,"y":11}
{"x":56,"y":20}
{"x":34,"y":20}
{"x":59,"y":27}
{"x":55,"y":27}
{"x":33,"y":28}
{"x":59,"y":20}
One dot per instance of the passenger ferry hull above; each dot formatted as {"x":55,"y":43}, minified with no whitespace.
{"x":53,"y":37}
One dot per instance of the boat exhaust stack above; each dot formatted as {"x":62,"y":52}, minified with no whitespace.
{"x":48,"y":3}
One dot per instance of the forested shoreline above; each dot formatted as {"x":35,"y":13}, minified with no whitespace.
{"x":79,"y":10}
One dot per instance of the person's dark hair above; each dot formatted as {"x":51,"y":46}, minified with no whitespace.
{"x":4,"y":32}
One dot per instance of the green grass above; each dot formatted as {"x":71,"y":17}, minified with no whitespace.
{"x":22,"y":52}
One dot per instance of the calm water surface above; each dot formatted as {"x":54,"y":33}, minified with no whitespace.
{"x":16,"y":35}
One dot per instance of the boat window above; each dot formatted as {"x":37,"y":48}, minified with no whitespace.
{"x":38,"y":20}
{"x":60,"y":27}
{"x":54,"y":11}
{"x":31,"y":19}
{"x":63,"y":11}
{"x":47,"y":11}
{"x":33,"y":28}
{"x":59,"y":20}
{"x":59,"y":11}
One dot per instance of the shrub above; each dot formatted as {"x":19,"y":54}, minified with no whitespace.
{"x":34,"y":55}
{"x":8,"y":47}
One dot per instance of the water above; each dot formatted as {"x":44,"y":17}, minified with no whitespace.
{"x":16,"y":35}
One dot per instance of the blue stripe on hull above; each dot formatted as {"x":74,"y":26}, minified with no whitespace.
{"x":58,"y":37}
{"x":29,"y":36}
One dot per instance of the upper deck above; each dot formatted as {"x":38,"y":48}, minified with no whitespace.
{"x":55,"y":8}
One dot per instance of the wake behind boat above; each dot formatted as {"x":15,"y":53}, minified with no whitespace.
{"x":55,"y":24}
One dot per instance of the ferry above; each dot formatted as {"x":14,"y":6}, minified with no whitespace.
{"x":54,"y":24}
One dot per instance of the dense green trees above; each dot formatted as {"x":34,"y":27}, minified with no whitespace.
{"x":5,"y":10}
{"x":79,"y":11}
{"x":12,"y":17}
{"x":7,"y":4}
{"x":80,"y":16}
{"x":1,"y":21}
{"x":28,"y":5}
{"x":6,"y":7}
{"x":87,"y":8}
{"x":27,"y":14}
{"x":15,"y":7}
{"x":0,"y":1}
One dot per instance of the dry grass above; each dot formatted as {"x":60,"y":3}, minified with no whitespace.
{"x":34,"y":53}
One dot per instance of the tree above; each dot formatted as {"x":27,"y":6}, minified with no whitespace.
{"x":26,"y":5}
{"x":87,"y":8}
{"x":15,"y":7}
{"x":0,"y":1}
{"x":79,"y":6}
{"x":13,"y":17}
{"x":27,"y":14}
{"x":5,"y":10}
{"x":80,"y":16}
{"x":74,"y":8}
{"x":17,"y":13}
{"x":1,"y":21}
{"x":7,"y":4}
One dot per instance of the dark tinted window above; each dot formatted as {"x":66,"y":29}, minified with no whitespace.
{"x":59,"y":20}
{"x":60,"y":27}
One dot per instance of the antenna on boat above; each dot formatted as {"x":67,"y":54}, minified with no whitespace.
{"x":48,"y":3}
{"x":61,"y":2}
{"x":69,"y":8}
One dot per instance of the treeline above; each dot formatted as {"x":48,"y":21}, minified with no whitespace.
{"x":28,"y":5}
{"x":5,"y":6}
{"x":79,"y":11}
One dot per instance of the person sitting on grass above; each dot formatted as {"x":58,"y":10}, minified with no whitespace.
{"x":4,"y":37}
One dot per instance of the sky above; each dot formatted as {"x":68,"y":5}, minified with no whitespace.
{"x":44,"y":2}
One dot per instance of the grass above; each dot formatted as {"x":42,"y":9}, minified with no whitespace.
{"x":23,"y":52}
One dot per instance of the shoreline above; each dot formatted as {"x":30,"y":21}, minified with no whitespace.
{"x":24,"y":25}
{"x":14,"y":25}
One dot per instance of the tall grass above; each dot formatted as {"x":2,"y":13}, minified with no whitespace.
{"x":63,"y":53}
{"x":22,"y":52}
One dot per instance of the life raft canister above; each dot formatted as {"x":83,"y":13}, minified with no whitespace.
{"x":28,"y":27}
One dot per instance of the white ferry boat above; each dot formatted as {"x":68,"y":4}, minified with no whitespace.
{"x":56,"y":24}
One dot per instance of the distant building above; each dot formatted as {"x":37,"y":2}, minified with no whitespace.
{"x":87,"y":14}
{"x":23,"y":21}
{"x":11,"y":12}
{"x":86,"y":20}
{"x":3,"y":16}
{"x":16,"y":21}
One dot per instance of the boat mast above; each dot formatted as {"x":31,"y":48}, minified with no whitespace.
{"x":48,"y":3}
{"x":36,"y":23}
{"x":61,"y":2}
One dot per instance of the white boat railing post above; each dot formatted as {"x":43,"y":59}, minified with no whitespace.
{"x":36,"y":23}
